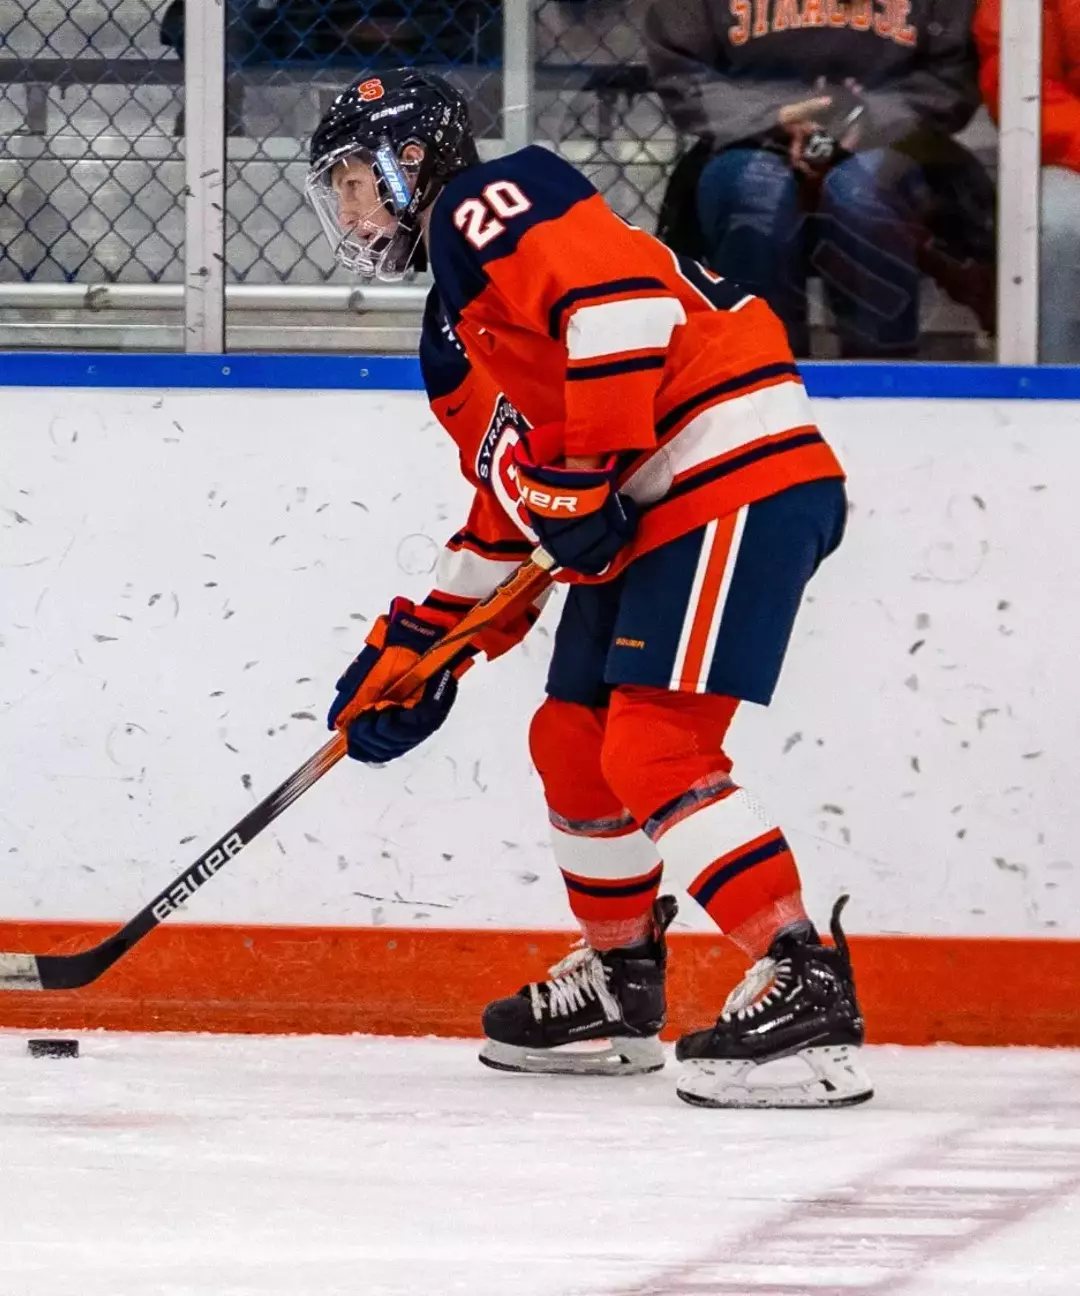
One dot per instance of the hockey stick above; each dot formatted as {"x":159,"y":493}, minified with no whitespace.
{"x":70,"y":971}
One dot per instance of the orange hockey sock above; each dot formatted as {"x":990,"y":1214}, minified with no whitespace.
{"x":611,"y":869}
{"x":751,"y":892}
{"x":663,"y":756}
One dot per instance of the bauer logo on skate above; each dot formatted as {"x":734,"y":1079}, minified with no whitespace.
{"x":201,"y":873}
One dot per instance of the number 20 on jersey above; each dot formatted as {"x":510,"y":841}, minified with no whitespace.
{"x":481,"y":219}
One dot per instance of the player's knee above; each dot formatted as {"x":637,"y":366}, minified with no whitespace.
{"x":558,"y":728}
{"x":564,"y":742}
{"x":658,"y":744}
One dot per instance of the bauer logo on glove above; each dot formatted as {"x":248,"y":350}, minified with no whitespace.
{"x":578,"y":515}
{"x":555,"y":506}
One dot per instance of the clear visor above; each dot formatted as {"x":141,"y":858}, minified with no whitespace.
{"x":359,"y":210}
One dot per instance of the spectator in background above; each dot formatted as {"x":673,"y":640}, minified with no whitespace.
{"x":825,"y":147}
{"x":1060,"y":247}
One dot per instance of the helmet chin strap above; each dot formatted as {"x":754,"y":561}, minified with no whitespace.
{"x":406,"y":202}
{"x":408,"y":237}
{"x":384,"y":260}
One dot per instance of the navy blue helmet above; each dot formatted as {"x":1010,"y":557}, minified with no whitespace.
{"x":371,"y":124}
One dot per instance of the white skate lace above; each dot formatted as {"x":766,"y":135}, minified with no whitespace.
{"x":574,"y":980}
{"x":762,"y":986}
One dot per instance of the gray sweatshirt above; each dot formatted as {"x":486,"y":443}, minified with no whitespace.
{"x":724,"y":68}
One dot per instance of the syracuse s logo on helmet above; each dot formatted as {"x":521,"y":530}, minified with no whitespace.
{"x":368,"y":90}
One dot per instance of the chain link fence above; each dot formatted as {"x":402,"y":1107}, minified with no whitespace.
{"x":90,"y":177}
{"x":92,"y":130}
{"x":92,"y":121}
{"x":286,"y":63}
{"x":588,"y":101}
{"x":595,"y":104}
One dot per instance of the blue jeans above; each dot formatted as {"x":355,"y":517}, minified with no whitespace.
{"x":770,"y":229}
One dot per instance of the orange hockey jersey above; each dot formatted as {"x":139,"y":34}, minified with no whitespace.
{"x":1060,"y":74}
{"x":548,"y":307}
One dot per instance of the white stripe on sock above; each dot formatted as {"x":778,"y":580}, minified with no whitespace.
{"x":604,"y":858}
{"x":715,"y":830}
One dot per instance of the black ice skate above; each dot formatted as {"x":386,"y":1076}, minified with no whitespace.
{"x":592,"y":998}
{"x":796,"y":1003}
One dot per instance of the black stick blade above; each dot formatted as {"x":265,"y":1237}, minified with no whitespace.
{"x":61,"y":971}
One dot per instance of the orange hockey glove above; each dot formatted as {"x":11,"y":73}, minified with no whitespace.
{"x":378,"y":730}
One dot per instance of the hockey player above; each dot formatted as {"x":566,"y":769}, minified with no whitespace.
{"x":644,"y":421}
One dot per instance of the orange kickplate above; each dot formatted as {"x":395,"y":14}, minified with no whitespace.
{"x":417,"y":981}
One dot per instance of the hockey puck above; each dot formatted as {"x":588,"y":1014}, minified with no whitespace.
{"x":52,"y":1048}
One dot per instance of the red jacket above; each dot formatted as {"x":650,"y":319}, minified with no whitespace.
{"x":1061,"y":75}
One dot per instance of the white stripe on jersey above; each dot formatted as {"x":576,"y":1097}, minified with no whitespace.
{"x":720,"y":429}
{"x":637,"y":324}
{"x":470,"y":575}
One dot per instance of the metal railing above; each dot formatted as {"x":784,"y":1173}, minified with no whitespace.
{"x":165,"y":194}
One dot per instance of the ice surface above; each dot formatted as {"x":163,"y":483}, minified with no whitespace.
{"x":180,"y":1164}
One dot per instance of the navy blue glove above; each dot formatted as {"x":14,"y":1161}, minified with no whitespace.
{"x":376,"y":737}
{"x":378,"y":731}
{"x":577,"y":514}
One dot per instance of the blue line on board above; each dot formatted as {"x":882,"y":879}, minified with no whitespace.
{"x":402,"y":373}
{"x":176,"y":369}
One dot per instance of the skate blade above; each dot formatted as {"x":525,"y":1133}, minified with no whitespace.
{"x":838,"y":1080}
{"x":625,"y":1056}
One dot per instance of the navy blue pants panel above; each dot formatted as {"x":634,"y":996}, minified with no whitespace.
{"x":627,"y":631}
{"x":582,"y":638}
{"x":784,"y":542}
{"x":655,"y":596}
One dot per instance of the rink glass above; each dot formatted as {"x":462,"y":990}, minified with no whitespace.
{"x":92,"y":159}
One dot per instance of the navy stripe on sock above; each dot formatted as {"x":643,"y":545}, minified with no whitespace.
{"x":656,"y":822}
{"x":610,"y":824}
{"x":617,"y":890}
{"x":768,"y":850}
